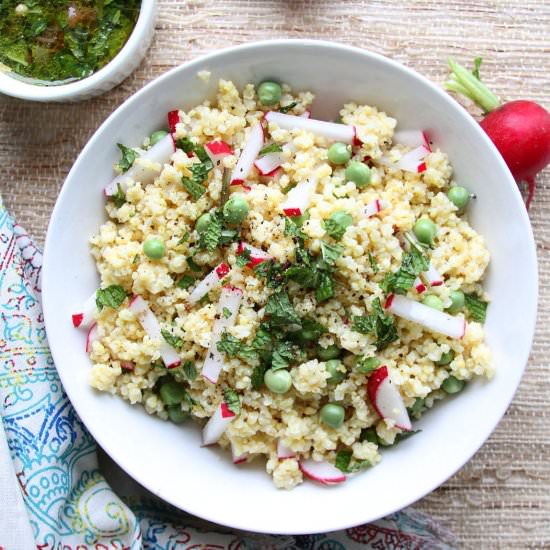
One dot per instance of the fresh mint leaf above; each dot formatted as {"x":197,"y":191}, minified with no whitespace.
{"x":195,"y":184}
{"x":379,"y":324}
{"x":194,"y":188}
{"x":185,"y":282}
{"x":331,"y":252}
{"x":111,"y":296}
{"x":337,"y":224}
{"x":185,"y":144}
{"x":399,"y":437}
{"x":280,"y":310}
{"x":273,"y":148}
{"x":363,"y":324}
{"x":127,"y":157}
{"x":272,"y":271}
{"x":304,"y":276}
{"x":288,"y":107}
{"x":325,"y":289}
{"x":233,"y":347}
{"x":282,"y":355}
{"x":373,"y":264}
{"x":257,"y":376}
{"x":370,"y":435}
{"x":189,"y":370}
{"x":184,"y":238}
{"x":232,"y":400}
{"x":174,"y":341}
{"x":293,"y":229}
{"x":345,"y":464}
{"x":477,"y":308}
{"x":226,"y":313}
{"x":193,"y":266}
{"x":243,"y":259}
{"x":228,"y":236}
{"x":366,"y":365}
{"x":119,"y":198}
{"x":414,"y":263}
{"x":210,"y":238}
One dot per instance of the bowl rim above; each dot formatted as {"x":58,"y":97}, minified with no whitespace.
{"x":530,"y":320}
{"x":34,"y":92}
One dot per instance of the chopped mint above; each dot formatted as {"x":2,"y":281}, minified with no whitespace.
{"x":111,"y":296}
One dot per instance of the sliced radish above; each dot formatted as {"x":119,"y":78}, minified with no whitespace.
{"x":412,"y":138}
{"x":217,"y":424}
{"x":283,"y":451}
{"x":211,"y":281}
{"x":268,"y":164}
{"x":432,"y":319}
{"x":173,"y":120}
{"x":228,"y":307}
{"x":86,"y":317}
{"x":257,"y":256}
{"x":238,"y":459}
{"x":306,"y":114}
{"x":329,"y":130}
{"x":419,"y":286}
{"x":432,"y":276}
{"x":299,"y":197}
{"x":217,"y":150}
{"x":144,"y":172}
{"x":93,"y":336}
{"x":386,"y":399}
{"x":322,"y":471}
{"x":413,"y":160}
{"x":151,"y":326}
{"x":127,"y":365}
{"x":249,"y":154}
{"x":373,"y":208}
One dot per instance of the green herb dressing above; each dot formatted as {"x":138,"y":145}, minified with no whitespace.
{"x":52,"y":42}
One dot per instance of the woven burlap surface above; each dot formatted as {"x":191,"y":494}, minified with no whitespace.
{"x":501,"y":498}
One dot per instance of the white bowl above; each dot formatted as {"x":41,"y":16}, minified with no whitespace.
{"x":124,"y":63}
{"x":168,"y":459}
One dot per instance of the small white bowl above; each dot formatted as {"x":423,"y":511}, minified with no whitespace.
{"x":169,"y":459}
{"x":124,"y":63}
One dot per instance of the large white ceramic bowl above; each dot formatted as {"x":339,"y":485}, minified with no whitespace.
{"x":168,"y":459}
{"x":124,"y":63}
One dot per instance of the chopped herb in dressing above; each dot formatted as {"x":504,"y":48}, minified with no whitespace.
{"x":57,"y":41}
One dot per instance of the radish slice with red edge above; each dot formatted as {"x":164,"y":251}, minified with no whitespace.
{"x":217,"y":424}
{"x":322,"y":471}
{"x":373,"y":208}
{"x":148,"y":320}
{"x":306,"y":114}
{"x":144,"y":172}
{"x":283,"y":451}
{"x":92,"y":336}
{"x":428,"y":317}
{"x":217,"y":150}
{"x":386,"y":399}
{"x":257,"y":256}
{"x":413,"y":160}
{"x":329,"y":130}
{"x":299,"y":197}
{"x":268,"y":164}
{"x":412,"y":138}
{"x":249,"y":154}
{"x":238,"y":459}
{"x":211,"y":281}
{"x":419,"y":286}
{"x":86,"y":317}
{"x":432,"y":276}
{"x":228,"y":308}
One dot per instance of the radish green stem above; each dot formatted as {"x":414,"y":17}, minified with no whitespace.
{"x":466,"y":83}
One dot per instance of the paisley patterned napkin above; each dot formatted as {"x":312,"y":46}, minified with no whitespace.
{"x":49,"y":469}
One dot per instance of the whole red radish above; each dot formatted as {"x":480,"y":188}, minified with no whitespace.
{"x":519,"y":129}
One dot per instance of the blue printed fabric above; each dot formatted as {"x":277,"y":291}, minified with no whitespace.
{"x":69,"y":503}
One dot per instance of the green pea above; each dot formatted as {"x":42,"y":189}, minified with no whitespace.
{"x":269,"y":92}
{"x":452,"y":385}
{"x":358,"y":173}
{"x":425,"y":230}
{"x":333,"y":368}
{"x":332,"y":415}
{"x":155,"y":137}
{"x":203,"y":223}
{"x":417,"y":407}
{"x":153,"y":248}
{"x":235,"y":209}
{"x":367,"y":365}
{"x":328,"y":353}
{"x":445,"y":358}
{"x":339,"y":153}
{"x":176,"y":414}
{"x":278,"y":381}
{"x":171,"y":392}
{"x":459,"y":196}
{"x":457,"y":301}
{"x":431,"y":300}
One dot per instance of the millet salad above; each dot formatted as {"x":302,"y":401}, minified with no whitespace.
{"x":303,"y":289}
